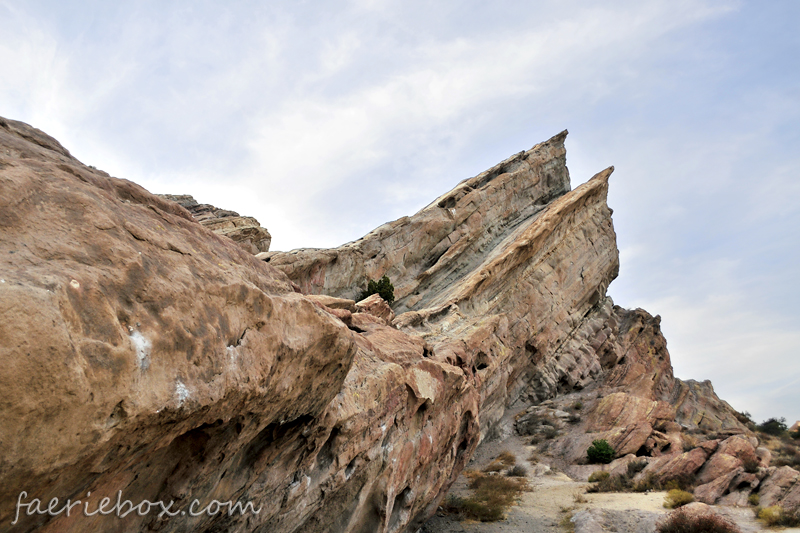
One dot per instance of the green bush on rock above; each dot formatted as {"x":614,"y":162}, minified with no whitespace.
{"x":383,"y":287}
{"x":600,"y":452}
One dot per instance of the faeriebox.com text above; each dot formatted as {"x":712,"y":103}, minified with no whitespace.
{"x":122,"y":508}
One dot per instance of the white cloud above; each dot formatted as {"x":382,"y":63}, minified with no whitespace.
{"x":325,"y":121}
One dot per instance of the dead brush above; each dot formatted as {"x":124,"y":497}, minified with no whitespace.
{"x":490,"y":499}
{"x":682,"y":521}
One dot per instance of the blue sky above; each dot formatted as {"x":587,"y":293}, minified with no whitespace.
{"x":326,"y":120}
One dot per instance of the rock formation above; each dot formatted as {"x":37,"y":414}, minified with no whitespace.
{"x":246,"y":231}
{"x":146,"y":354}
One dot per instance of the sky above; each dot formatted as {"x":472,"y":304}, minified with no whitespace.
{"x":325,"y":120}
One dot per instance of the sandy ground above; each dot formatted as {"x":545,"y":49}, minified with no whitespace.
{"x":554,"y":495}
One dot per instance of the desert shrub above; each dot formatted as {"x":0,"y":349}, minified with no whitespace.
{"x":550,"y":432}
{"x":518,"y":471}
{"x":751,"y":463}
{"x":682,"y":482}
{"x":677,"y":498}
{"x":744,"y":417}
{"x":382,"y":287}
{"x":634,"y":467}
{"x":648,"y":482}
{"x":577,"y":497}
{"x":773,"y":426}
{"x":609,"y":484}
{"x":777,"y":516}
{"x":754,"y":499}
{"x":494,"y":466}
{"x":682,"y":521}
{"x":491,"y":497}
{"x":577,"y":406}
{"x":598,"y":475}
{"x":566,"y":522}
{"x":574,"y":418}
{"x":600,"y":452}
{"x":507,"y":458}
{"x":533,"y":458}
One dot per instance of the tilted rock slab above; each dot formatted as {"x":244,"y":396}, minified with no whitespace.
{"x":246,"y":231}
{"x":144,"y":353}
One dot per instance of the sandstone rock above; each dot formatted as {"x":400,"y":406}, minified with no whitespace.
{"x":682,"y":466}
{"x":603,"y":520}
{"x":245,"y":231}
{"x":764,"y":456}
{"x":142,"y":352}
{"x":376,"y":306}
{"x":777,"y":484}
{"x":738,"y":446}
{"x":711,"y":492}
{"x":719,"y":465}
{"x":792,"y":498}
{"x":333,"y":303}
{"x":146,"y":354}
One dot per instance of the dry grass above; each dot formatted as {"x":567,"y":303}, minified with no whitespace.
{"x":501,"y":462}
{"x":578,"y":497}
{"x":677,"y":498}
{"x":491,"y":497}
{"x":566,"y":522}
{"x":598,"y":475}
{"x":494,"y":466}
{"x":507,"y":458}
{"x":777,"y":516}
{"x":681,"y":521}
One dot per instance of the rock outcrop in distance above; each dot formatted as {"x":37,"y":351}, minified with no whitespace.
{"x":246,"y":231}
{"x":144,"y":353}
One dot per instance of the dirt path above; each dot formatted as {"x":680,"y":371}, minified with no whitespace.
{"x":555,"y":496}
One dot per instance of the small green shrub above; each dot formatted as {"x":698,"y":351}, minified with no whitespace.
{"x":598,"y":475}
{"x":682,"y":521}
{"x":677,"y":498}
{"x":777,"y":516}
{"x":600,"y":452}
{"x":577,"y":406}
{"x":754,"y":499}
{"x":382,"y":287}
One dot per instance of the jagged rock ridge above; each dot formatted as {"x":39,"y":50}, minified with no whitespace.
{"x":246,"y":231}
{"x":145,"y":353}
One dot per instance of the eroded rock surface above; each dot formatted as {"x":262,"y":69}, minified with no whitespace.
{"x":245,"y":231}
{"x":145,"y":353}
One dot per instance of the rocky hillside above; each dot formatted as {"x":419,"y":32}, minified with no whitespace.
{"x":146,"y":354}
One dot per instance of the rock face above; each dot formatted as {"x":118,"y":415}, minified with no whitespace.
{"x":246,"y":231}
{"x":146,"y":354}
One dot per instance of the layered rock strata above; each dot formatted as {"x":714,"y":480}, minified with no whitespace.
{"x":246,"y":231}
{"x":146,"y":354}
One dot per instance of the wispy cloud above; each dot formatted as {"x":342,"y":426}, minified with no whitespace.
{"x":324,"y":121}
